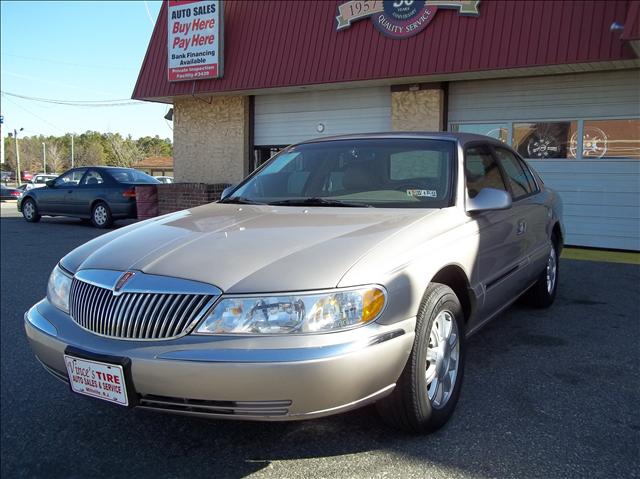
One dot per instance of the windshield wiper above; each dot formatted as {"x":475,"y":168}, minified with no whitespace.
{"x":318,"y":202}
{"x":240,"y":200}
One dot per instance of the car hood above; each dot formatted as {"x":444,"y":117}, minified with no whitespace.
{"x":248,"y":248}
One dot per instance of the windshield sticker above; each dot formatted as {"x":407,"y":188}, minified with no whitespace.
{"x":427,"y":193}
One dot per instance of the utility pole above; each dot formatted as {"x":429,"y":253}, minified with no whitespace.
{"x":71,"y":150}
{"x":44,"y":157}
{"x":15,"y":138}
{"x":1,"y":140}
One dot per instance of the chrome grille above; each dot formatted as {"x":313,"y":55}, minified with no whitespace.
{"x":135,"y":315}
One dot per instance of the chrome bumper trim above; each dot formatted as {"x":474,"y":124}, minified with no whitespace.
{"x":287,"y":355}
{"x":185,"y":409}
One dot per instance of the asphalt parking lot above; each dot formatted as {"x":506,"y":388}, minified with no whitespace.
{"x":548,"y":394}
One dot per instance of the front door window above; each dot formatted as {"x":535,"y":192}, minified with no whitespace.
{"x":70,"y":178}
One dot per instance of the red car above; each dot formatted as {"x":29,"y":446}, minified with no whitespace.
{"x":26,"y":176}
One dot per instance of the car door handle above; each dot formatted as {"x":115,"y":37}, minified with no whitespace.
{"x":69,"y":191}
{"x":522,"y":227}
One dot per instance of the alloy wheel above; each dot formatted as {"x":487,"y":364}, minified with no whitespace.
{"x":100,"y":215}
{"x":443,"y":354}
{"x":552,"y":270}
{"x":28,"y":210}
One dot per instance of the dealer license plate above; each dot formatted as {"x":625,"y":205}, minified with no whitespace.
{"x":100,"y":380}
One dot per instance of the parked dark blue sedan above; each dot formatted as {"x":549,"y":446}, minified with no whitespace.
{"x":99,"y":193}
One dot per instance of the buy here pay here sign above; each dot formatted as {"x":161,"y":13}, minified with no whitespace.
{"x":194,"y":39}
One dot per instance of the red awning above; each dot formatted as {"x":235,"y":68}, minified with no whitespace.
{"x":632,"y":22}
{"x":271,"y":44}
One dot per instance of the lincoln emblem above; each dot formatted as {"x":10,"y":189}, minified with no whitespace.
{"x":122,"y":281}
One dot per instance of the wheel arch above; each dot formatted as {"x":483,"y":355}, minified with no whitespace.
{"x":454,"y":276}
{"x":29,"y":197}
{"x":95,"y":201}
{"x":557,"y":232}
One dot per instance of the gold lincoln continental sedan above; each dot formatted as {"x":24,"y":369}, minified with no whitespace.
{"x":345,"y":271}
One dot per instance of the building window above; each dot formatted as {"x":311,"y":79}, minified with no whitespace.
{"x":542,"y":140}
{"x":611,"y":139}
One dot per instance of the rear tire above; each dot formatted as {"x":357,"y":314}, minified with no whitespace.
{"x":426,"y":394}
{"x":543,"y":293}
{"x":101,"y":215}
{"x":30,"y":211}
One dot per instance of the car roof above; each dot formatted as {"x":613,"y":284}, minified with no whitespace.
{"x":462,"y":138}
{"x":104,"y":167}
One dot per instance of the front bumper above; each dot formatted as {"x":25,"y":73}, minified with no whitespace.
{"x":257,"y":378}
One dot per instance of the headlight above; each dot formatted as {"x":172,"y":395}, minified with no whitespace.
{"x":299,"y":313}
{"x":58,"y":289}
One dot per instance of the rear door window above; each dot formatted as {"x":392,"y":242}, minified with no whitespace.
{"x":92,"y":178}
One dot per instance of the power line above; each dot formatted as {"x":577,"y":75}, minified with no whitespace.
{"x":78,"y":103}
{"x":63,"y":62}
{"x":64,"y":85}
{"x":146,"y":5}
{"x":34,"y":115}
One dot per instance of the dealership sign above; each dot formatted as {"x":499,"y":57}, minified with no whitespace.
{"x":194,"y":39}
{"x":399,"y":18}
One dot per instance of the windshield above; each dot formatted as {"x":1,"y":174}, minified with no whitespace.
{"x":370,"y":172}
{"x":126,"y":175}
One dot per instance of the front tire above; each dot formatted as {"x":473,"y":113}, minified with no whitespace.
{"x":426,"y":394}
{"x":101,"y":215}
{"x":30,"y":211}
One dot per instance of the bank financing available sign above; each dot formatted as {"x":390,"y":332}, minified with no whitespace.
{"x":399,"y":18}
{"x":195,"y":39}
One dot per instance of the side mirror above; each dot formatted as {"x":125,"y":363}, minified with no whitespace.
{"x":227,"y":191}
{"x":489,"y":199}
{"x":51,"y":183}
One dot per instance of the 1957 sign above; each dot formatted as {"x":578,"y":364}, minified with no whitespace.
{"x":400,"y":18}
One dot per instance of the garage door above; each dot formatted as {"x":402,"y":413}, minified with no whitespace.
{"x":292,"y":117}
{"x":543,"y":117}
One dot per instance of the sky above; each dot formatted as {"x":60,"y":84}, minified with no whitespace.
{"x":76,"y":50}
